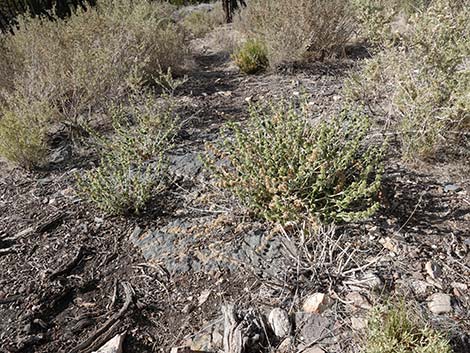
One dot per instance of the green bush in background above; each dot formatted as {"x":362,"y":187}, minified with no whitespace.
{"x":422,"y":82}
{"x":251,"y":57}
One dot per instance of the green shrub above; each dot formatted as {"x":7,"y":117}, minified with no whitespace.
{"x":284,"y":169}
{"x":251,"y":57}
{"x":23,"y":132}
{"x":293,"y":30}
{"x":423,"y":81}
{"x":133,"y":165}
{"x":392,"y":329}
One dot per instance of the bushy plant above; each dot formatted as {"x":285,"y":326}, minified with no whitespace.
{"x":23,"y":132}
{"x":423,"y":81}
{"x":201,"y":22}
{"x":392,"y":329}
{"x":133,"y":165}
{"x":251,"y":57}
{"x":79,"y":64}
{"x":295,"y":29}
{"x":283,"y":168}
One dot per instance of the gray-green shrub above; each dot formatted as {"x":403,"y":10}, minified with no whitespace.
{"x":293,"y":30}
{"x":285,"y":169}
{"x":423,"y":82}
{"x":76,"y":66}
{"x":133,"y":164}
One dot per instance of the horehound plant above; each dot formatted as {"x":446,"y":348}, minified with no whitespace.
{"x":133,"y":162}
{"x":283,"y":168}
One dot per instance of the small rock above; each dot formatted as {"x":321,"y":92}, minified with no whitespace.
{"x":312,"y":327}
{"x":433,"y":270}
{"x":135,"y":233}
{"x":285,"y":346}
{"x":316,"y":303}
{"x":217,"y":338}
{"x":358,"y":300}
{"x":187,"y":309}
{"x":279,"y":321}
{"x":419,"y":287}
{"x":358,"y":323}
{"x":452,"y":188}
{"x":389,"y":244}
{"x":99,"y":220}
{"x":204,"y":296}
{"x":202,"y":343}
{"x":439,"y":303}
{"x":112,"y":346}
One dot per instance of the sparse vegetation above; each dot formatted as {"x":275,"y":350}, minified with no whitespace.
{"x":132,"y":166}
{"x":394,"y":329}
{"x":78,"y":65}
{"x":299,"y":29}
{"x":251,"y":57}
{"x":202,"y":22}
{"x":303,"y":219}
{"x":284,"y":169}
{"x":423,"y":81}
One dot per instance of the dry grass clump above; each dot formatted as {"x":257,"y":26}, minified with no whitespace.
{"x":78,"y":64}
{"x":293,"y":30}
{"x":133,"y":164}
{"x":284,"y":169}
{"x":422,"y":82}
{"x":393,"y":329}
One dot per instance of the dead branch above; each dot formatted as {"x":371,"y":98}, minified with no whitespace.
{"x":66,"y":268}
{"x":108,"y":325}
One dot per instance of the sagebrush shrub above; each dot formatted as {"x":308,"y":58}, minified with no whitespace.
{"x":295,"y":29}
{"x":393,"y":329}
{"x":383,"y":22}
{"x":23,"y":132}
{"x":203,"y":21}
{"x":284,"y":169}
{"x":133,"y":164}
{"x":423,"y":81}
{"x":79,"y":64}
{"x":251,"y":57}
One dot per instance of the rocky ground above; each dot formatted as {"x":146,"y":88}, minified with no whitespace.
{"x":194,"y":271}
